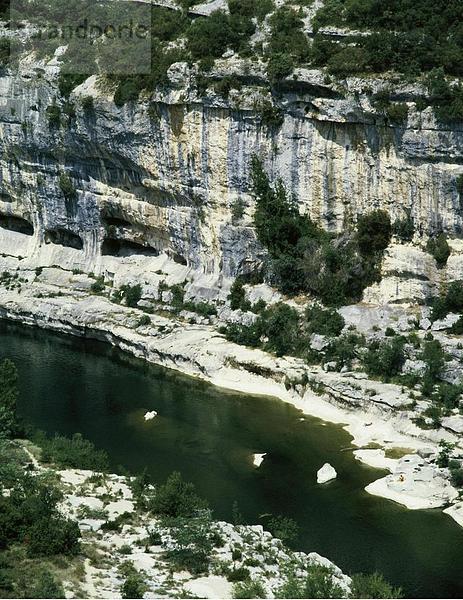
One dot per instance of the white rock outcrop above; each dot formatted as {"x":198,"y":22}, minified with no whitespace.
{"x":416,"y":484}
{"x":326,"y":473}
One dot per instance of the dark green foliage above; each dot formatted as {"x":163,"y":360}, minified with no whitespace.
{"x":176,"y":498}
{"x":407,"y":36}
{"x":249,"y":589}
{"x":373,"y":232}
{"x":210,"y":37}
{"x":87,"y":103}
{"x":445,"y":449}
{"x":54,"y":116}
{"x":144,"y":320}
{"x":98,"y":286}
{"x":283,"y":528}
{"x":238,"y":574}
{"x":318,"y":583}
{"x":66,"y":186}
{"x":304,"y":258}
{"x":132,"y":294}
{"x":47,"y":587}
{"x":457,"y":327}
{"x":385,"y":359}
{"x":434,"y":357}
{"x":280,"y":324}
{"x":451,"y":301}
{"x":134,"y":586}
{"x":459,"y":184}
{"x":75,"y":452}
{"x":4,"y":51}
{"x":439,"y":248}
{"x":457,"y":476}
{"x":373,"y":586}
{"x":271,"y":116}
{"x":288,"y":44}
{"x":194,"y":541}
{"x":8,"y":398}
{"x":68,"y":81}
{"x":343,"y":350}
{"x":30,"y":515}
{"x":446,"y":99}
{"x":324,"y":322}
{"x":404,"y":228}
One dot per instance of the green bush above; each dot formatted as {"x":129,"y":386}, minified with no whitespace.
{"x":385,"y":359}
{"x":193,"y":544}
{"x":343,"y":350}
{"x":47,"y":587}
{"x":143,"y":321}
{"x":75,"y":452}
{"x":176,"y":498}
{"x":238,"y":574}
{"x":404,"y":228}
{"x":66,"y":186}
{"x":373,"y":232}
{"x":324,"y":322}
{"x":249,"y":589}
{"x":434,"y":357}
{"x":98,"y":286}
{"x":132,"y":294}
{"x":373,"y":586}
{"x":283,"y":528}
{"x":280,"y":324}
{"x":87,"y":103}
{"x":133,"y":586}
{"x":8,"y":398}
{"x":318,"y":583}
{"x":439,"y":249}
{"x":54,"y":116}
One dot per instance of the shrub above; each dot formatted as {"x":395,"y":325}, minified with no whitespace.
{"x":8,"y":398}
{"x":176,"y":498}
{"x":404,"y":228}
{"x":47,"y":587}
{"x":133,"y":586}
{"x":457,"y":477}
{"x":373,"y":586}
{"x":193,"y":544}
{"x":87,"y":103}
{"x":54,"y":116}
{"x":385,"y":359}
{"x":343,"y":350}
{"x":75,"y":452}
{"x":239,"y":574}
{"x":66,"y":186}
{"x":434,"y":357}
{"x":284,"y":528}
{"x":318,"y":583}
{"x":98,"y":286}
{"x":439,"y":249}
{"x":249,"y":589}
{"x":280,"y":324}
{"x":373,"y":232}
{"x":324,"y":322}
{"x":143,"y":320}
{"x":132,"y":294}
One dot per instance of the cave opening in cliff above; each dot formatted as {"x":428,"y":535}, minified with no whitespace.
{"x":116,"y":222}
{"x":17,"y":224}
{"x":64,"y":237}
{"x":115,"y":247}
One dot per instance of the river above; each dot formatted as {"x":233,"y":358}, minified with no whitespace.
{"x":71,"y":385}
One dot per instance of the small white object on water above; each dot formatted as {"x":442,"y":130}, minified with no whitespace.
{"x":150,"y":415}
{"x":326,"y":473}
{"x":258,"y":459}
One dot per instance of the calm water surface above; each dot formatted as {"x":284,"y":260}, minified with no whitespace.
{"x":70,"y":385}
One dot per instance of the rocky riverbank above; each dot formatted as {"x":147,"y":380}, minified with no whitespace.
{"x":375,"y":414}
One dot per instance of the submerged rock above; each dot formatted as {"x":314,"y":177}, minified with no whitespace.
{"x":326,"y":473}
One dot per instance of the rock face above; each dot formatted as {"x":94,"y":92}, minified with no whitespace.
{"x":416,"y":484}
{"x":326,"y":473}
{"x":162,"y":176}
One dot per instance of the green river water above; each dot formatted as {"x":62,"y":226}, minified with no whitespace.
{"x":70,"y":385}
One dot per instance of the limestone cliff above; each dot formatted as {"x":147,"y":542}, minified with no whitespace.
{"x":92,"y":188}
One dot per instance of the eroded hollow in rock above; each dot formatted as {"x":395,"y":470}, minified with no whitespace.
{"x":63,"y":237}
{"x":17,"y":224}
{"x":116,"y":222}
{"x":113,"y":247}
